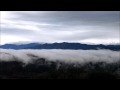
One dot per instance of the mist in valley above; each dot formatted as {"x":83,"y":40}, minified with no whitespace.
{"x":59,"y":64}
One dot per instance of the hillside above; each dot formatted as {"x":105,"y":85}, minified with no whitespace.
{"x":59,"y":64}
{"x":42,"y":69}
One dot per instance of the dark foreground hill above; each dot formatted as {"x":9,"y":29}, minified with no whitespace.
{"x":42,"y":69}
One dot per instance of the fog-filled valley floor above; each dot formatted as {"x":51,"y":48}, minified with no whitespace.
{"x":59,"y":64}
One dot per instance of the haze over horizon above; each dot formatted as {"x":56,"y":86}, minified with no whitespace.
{"x":98,"y":27}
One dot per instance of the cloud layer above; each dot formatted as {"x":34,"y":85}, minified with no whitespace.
{"x":60,"y":26}
{"x":67,"y":56}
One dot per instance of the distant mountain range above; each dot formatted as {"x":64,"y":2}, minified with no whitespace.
{"x":15,"y":46}
{"x":63,"y":45}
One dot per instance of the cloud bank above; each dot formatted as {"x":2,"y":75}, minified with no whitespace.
{"x":99,"y":27}
{"x":67,"y":56}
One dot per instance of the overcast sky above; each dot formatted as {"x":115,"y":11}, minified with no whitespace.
{"x":60,"y":26}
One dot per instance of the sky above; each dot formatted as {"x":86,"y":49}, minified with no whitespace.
{"x":98,"y":27}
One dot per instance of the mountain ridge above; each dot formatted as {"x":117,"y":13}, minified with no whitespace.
{"x":63,"y":45}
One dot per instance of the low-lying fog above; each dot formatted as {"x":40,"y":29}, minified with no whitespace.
{"x":67,"y":56}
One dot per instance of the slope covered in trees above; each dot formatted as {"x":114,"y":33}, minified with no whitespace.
{"x":42,"y":69}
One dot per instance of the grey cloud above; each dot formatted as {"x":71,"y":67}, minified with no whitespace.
{"x":73,"y":17}
{"x":66,"y":25}
{"x":90,"y":35}
{"x":17,"y":32}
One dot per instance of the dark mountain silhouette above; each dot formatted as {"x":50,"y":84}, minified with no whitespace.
{"x":14,"y":46}
{"x":63,"y":45}
{"x":66,"y":45}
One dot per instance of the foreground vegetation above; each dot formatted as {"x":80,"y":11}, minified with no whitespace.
{"x":42,"y":69}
